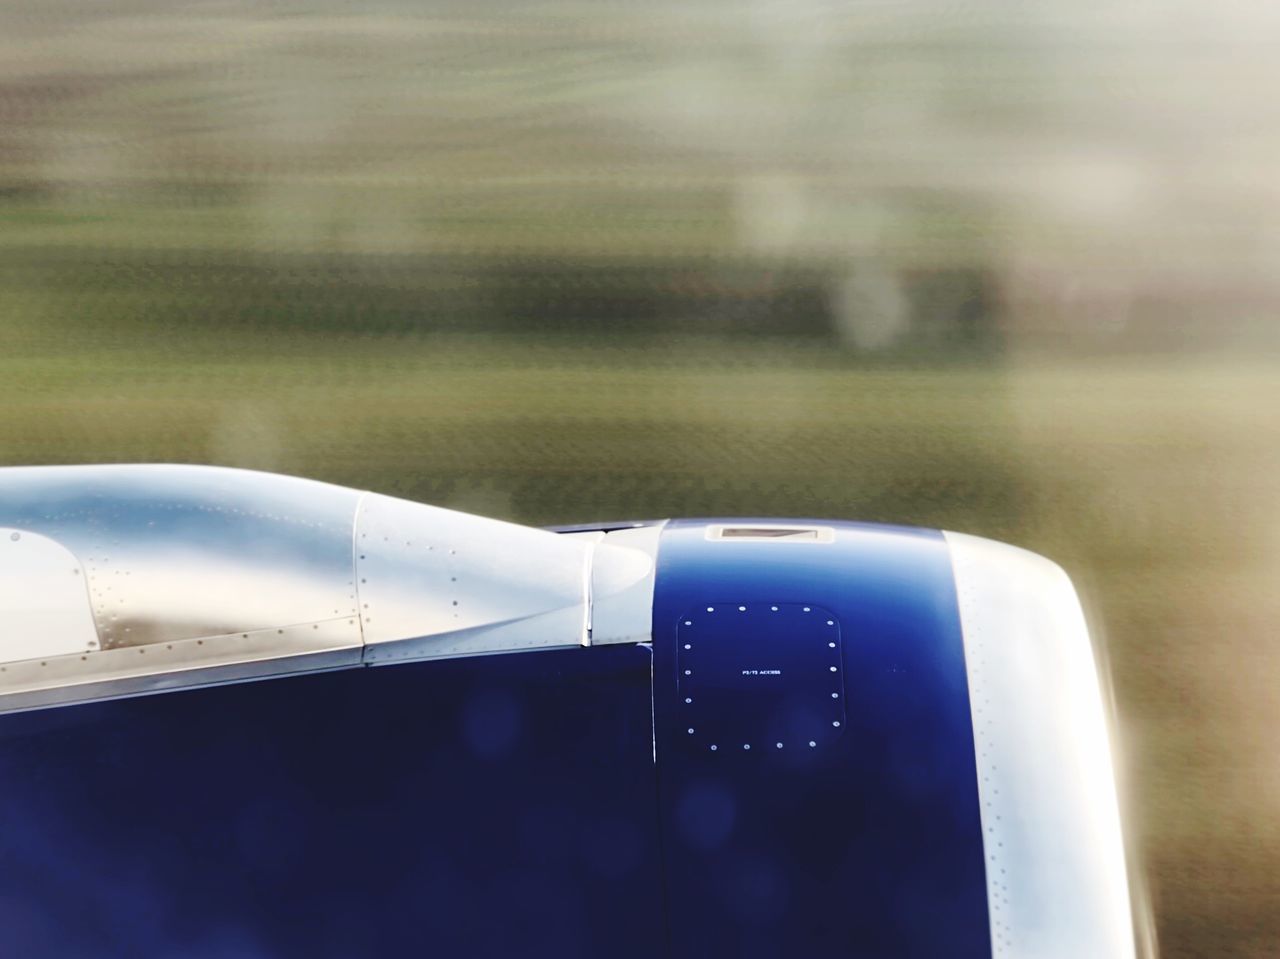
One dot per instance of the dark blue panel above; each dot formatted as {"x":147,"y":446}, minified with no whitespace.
{"x":785,"y":690}
{"x":866,"y":845}
{"x":499,"y":806}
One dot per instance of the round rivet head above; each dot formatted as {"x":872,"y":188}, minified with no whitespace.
{"x":746,"y":745}
{"x":689,"y":730}
{"x":779,"y":745}
{"x":812,"y":744}
{"x":15,"y":536}
{"x":742,"y":609}
{"x":714,"y":747}
{"x":711,"y":609}
{"x":833,"y":669}
{"x":835,"y":722}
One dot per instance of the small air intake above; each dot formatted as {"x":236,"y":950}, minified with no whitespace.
{"x":786,"y":534}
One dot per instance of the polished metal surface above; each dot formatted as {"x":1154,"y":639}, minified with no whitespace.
{"x":187,"y":576}
{"x":182,"y":664}
{"x":1057,"y":886}
{"x":438,"y":583}
{"x":180,"y":552}
{"x":434,"y":583}
{"x":120,"y":580}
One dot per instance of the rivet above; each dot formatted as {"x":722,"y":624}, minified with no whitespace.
{"x":833,"y":669}
{"x":779,"y":745}
{"x":689,"y":730}
{"x":711,"y":609}
{"x":713,"y":747}
{"x":812,"y":744}
{"x":746,"y":745}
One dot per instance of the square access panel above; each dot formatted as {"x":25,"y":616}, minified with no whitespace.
{"x":759,"y":676}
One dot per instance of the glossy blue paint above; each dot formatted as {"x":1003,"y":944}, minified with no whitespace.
{"x":791,"y":677}
{"x":493,"y":807}
{"x":866,"y":844}
{"x":511,"y":805}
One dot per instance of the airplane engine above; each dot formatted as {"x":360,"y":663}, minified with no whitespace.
{"x":684,"y":738}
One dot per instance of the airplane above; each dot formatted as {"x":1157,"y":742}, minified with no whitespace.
{"x":253,"y":715}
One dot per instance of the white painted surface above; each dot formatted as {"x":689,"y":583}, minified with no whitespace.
{"x":434,"y":582}
{"x":44,"y":603}
{"x":1056,"y":876}
{"x":623,"y":574}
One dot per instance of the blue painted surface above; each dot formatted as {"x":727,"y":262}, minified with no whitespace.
{"x":510,"y":805}
{"x":493,"y":807}
{"x":866,"y":845}
{"x":790,"y":676}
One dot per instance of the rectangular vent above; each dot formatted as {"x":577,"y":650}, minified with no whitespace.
{"x":787,"y":534}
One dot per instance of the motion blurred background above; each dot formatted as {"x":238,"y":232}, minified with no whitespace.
{"x":1007,"y":268}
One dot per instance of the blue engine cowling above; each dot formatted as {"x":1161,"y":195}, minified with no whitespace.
{"x":839,"y":739}
{"x":816,"y":755}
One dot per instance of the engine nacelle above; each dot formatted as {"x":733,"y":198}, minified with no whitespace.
{"x":788,"y":738}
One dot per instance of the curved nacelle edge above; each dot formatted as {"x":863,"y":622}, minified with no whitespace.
{"x":1045,"y":772}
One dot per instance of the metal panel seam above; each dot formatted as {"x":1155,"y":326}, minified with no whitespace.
{"x":355,"y":576}
{"x":588,"y":570}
